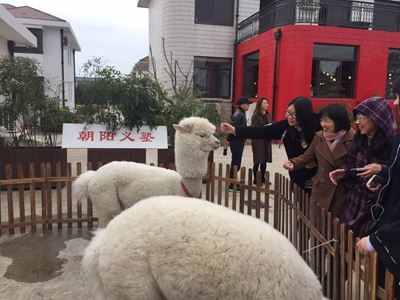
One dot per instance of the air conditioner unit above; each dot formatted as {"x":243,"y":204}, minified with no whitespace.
{"x":65,"y":41}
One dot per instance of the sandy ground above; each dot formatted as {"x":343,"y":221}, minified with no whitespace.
{"x":47,"y":265}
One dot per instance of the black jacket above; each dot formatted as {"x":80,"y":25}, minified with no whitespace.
{"x":288,"y":135}
{"x":386,"y":239}
{"x":386,"y":243}
{"x":238,"y":119}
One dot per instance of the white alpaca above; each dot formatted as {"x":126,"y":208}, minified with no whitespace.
{"x":118,"y":185}
{"x":171,"y":247}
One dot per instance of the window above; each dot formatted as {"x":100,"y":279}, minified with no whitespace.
{"x":333,"y":70}
{"x":214,"y":12}
{"x":212,"y":76}
{"x":393,"y":72}
{"x":250,"y":75}
{"x":39,"y":37}
{"x":7,"y":123}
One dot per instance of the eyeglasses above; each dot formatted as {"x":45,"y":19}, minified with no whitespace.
{"x":360,"y":117}
{"x":290,"y":114}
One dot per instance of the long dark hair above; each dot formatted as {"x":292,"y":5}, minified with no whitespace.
{"x":258,"y":105}
{"x":305,"y":117}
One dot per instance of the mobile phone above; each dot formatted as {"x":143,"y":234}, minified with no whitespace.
{"x":375,"y":180}
{"x":354,"y":171}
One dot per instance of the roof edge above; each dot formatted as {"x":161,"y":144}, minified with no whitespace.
{"x":143,"y":3}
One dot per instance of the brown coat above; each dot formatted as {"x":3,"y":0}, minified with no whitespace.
{"x":328,"y":195}
{"x":262,"y":151}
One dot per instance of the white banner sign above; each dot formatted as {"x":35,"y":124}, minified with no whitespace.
{"x":97,"y":136}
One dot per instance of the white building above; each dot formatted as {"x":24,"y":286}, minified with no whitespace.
{"x":198,"y":38}
{"x":12,"y":30}
{"x":55,"y":50}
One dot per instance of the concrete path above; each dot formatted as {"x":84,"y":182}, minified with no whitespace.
{"x":47,"y":265}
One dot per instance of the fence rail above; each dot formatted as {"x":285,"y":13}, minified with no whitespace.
{"x":41,"y":199}
{"x":324,"y":244}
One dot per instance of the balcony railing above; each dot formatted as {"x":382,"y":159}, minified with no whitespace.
{"x":382,"y":15}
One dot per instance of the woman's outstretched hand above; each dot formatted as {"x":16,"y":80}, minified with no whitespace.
{"x":336,"y":175}
{"x":288,"y":165}
{"x":227,"y":128}
{"x":369,"y":170}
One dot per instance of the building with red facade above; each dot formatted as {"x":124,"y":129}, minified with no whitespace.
{"x":331,"y":51}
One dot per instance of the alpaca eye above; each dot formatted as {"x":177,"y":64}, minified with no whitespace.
{"x":201,"y":135}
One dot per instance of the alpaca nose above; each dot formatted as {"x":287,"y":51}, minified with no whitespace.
{"x":217,"y":143}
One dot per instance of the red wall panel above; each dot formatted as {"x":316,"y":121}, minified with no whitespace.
{"x":295,"y":62}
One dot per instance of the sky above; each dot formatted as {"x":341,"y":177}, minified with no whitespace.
{"x":116,"y":31}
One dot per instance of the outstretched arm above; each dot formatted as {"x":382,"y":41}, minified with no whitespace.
{"x":273,"y":131}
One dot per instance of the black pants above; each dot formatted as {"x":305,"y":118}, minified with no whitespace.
{"x":263,"y":167}
{"x":237,"y":147}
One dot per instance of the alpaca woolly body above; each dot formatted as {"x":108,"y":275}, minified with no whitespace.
{"x":171,"y":247}
{"x":118,"y":185}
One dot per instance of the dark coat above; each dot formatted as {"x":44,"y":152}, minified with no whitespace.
{"x":386,"y":243}
{"x":238,"y":119}
{"x":390,"y":195}
{"x":281,"y":130}
{"x":386,"y":239}
{"x":359,"y":198}
{"x":262,"y":150}
{"x":328,"y":195}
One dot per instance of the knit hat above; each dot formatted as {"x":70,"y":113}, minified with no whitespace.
{"x":380,"y":112}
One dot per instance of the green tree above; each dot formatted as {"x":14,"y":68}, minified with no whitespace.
{"x":102,"y":85}
{"x":124,"y":101}
{"x":25,"y":103}
{"x":119,"y":101}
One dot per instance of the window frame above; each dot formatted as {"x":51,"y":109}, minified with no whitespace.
{"x":247,"y":92}
{"x":315,"y":74}
{"x":391,"y":76}
{"x":214,"y":89}
{"x":215,"y":10}
{"x":38,"y":33}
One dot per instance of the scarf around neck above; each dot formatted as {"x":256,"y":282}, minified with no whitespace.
{"x":332,"y":139}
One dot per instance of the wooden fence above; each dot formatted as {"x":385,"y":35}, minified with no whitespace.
{"x":33,"y":201}
{"x":328,"y":249}
{"x":322,"y":242}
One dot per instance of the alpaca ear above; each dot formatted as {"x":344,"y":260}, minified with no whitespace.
{"x":180,"y":128}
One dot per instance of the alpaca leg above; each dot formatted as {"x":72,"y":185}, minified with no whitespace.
{"x":106,"y":207}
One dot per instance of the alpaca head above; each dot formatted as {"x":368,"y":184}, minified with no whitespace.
{"x":194,"y":139}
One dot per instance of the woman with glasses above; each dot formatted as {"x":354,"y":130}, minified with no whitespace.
{"x":369,"y":154}
{"x":329,"y":149}
{"x":295,"y":132}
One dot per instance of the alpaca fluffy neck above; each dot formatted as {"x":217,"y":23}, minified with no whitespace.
{"x":191,"y":164}
{"x":192,"y":168}
{"x":194,"y":186}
